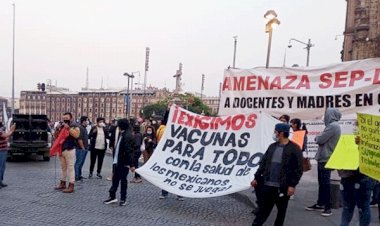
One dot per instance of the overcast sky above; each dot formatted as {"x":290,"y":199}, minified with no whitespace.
{"x":58,"y":40}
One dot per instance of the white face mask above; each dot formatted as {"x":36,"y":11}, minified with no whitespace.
{"x":275,"y":138}
{"x":149,"y":132}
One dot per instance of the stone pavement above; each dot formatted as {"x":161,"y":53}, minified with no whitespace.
{"x":306,"y":195}
{"x":31,"y":200}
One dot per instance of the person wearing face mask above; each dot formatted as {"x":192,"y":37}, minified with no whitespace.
{"x":81,"y":151}
{"x":327,"y":141}
{"x":149,"y":142}
{"x":67,"y":156}
{"x":280,"y":170}
{"x":98,"y":144}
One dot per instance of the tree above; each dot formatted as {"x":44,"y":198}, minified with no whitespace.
{"x":158,"y":109}
{"x":187,"y":101}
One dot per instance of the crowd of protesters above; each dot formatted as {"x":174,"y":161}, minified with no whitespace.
{"x":275,"y":181}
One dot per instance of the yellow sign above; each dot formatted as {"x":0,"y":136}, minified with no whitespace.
{"x":345,"y":155}
{"x":369,"y":147}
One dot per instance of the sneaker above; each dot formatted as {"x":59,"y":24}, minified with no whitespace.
{"x":314,"y":207}
{"x":109,"y":178}
{"x":326,"y":213}
{"x":99,"y":176}
{"x":110,"y":201}
{"x":373,"y":204}
{"x":3,"y":185}
{"x":89,"y":175}
{"x":180,"y":198}
{"x":162,"y":197}
{"x":82,"y":178}
{"x":133,"y":180}
{"x":78,"y":179}
{"x":139,"y":180}
{"x":122,"y":203}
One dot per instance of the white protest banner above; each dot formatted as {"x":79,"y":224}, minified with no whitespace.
{"x":303,"y":92}
{"x":201,"y":156}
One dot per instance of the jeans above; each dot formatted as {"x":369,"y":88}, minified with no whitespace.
{"x":376,"y":193}
{"x":270,"y":196}
{"x":324,"y":196}
{"x":96,"y":153}
{"x":356,"y":191}
{"x":80,"y":158}
{"x":3,"y":160}
{"x":67,"y":161}
{"x":119,"y":176}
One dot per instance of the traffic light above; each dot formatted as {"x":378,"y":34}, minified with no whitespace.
{"x":42,"y":87}
{"x":39,"y":86}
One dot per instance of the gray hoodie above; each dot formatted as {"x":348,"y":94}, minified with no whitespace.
{"x":329,"y":138}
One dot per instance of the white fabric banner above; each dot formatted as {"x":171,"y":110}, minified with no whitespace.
{"x":303,"y":92}
{"x":201,"y":156}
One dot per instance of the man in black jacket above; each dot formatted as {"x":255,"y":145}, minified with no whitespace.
{"x":98,"y":145}
{"x":122,"y":163}
{"x":279,"y":170}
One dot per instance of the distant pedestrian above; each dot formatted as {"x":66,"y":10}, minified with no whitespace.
{"x":113,"y":137}
{"x":67,"y":157}
{"x":284,"y":118}
{"x":4,"y":136}
{"x":98,"y":146}
{"x":297,"y":125}
{"x":327,"y":141}
{"x":122,"y":163}
{"x":280,"y":170}
{"x":137,"y":152}
{"x":81,"y":151}
{"x":149,"y":142}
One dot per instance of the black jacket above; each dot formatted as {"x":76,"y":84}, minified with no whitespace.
{"x":126,"y":149}
{"x":291,"y":166}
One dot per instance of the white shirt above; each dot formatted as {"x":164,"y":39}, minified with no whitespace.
{"x":100,"y":142}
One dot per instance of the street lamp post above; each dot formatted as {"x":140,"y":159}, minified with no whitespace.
{"x":271,"y":16}
{"x":308,"y":46}
{"x":128,"y":93}
{"x":13,"y":61}
{"x":235,"y":44}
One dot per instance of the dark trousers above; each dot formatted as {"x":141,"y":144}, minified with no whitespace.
{"x":97,"y":154}
{"x":270,"y":196}
{"x":376,"y":193}
{"x":119,"y":176}
{"x":324,"y":195}
{"x":136,"y":157}
{"x":356,"y":192}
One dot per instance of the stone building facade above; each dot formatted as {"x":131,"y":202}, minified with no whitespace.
{"x":362,"y":30}
{"x":109,"y":104}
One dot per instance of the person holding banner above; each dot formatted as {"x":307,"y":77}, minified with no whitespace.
{"x":160,"y":133}
{"x":356,"y":190}
{"x":280,"y":170}
{"x":327,"y":141}
{"x":122,"y":163}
